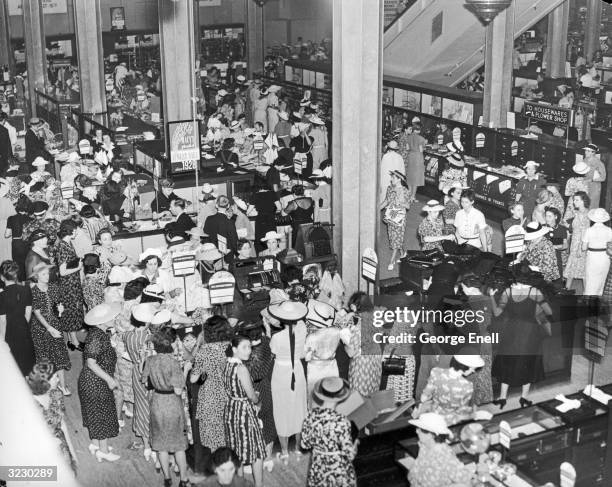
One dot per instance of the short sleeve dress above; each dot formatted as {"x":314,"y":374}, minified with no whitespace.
{"x":428,"y":228}
{"x":13,"y":302}
{"x":70,"y":289}
{"x":45,"y":346}
{"x":576,"y":261}
{"x":97,"y":399}
{"x":398,"y":197}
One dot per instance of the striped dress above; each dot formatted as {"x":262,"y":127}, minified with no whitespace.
{"x":243,"y":432}
{"x":135,"y":344}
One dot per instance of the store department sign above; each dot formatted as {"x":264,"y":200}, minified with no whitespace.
{"x":184,"y":145}
{"x":117,"y":18}
{"x":548,"y":113}
{"x":49,"y":7}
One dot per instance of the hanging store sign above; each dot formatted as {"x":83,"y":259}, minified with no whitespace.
{"x":548,"y":113}
{"x":480,"y":140}
{"x":117,"y":18}
{"x":184,"y":145}
{"x":49,"y":7}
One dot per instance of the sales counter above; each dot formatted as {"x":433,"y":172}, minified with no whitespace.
{"x":542,"y":438}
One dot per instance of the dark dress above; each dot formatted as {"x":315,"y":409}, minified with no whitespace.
{"x":265,"y":221}
{"x":19,"y":247}
{"x":13,"y":302}
{"x":260,"y":366}
{"x":301,"y":211}
{"x":70,"y":289}
{"x":242,"y":431}
{"x":167,"y":418}
{"x":97,"y":400}
{"x":519,"y":360}
{"x":34,"y":258}
{"x":45,"y":346}
{"x":303,"y":145}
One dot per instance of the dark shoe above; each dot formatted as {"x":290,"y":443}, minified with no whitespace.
{"x":72,"y":347}
{"x":525,"y":402}
{"x":500,"y":402}
{"x":184,"y":483}
{"x":167,"y":482}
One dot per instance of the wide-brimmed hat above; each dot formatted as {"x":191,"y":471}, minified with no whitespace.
{"x":241,"y":78}
{"x":144,"y":312}
{"x":456,"y":159}
{"x":37,"y":235}
{"x":102,"y":313}
{"x":320,"y":314}
{"x":455,"y":146}
{"x":288,"y":311}
{"x":39,"y":161}
{"x":121,"y":275}
{"x":581,"y":168}
{"x":316,"y":120}
{"x":210,"y":252}
{"x":433,"y":205}
{"x":38,"y":268}
{"x":283,"y":115}
{"x":393,"y":145}
{"x":274,"y":89}
{"x":398,"y":174}
{"x":161,"y":317}
{"x":592,"y":147}
{"x":150,"y":252}
{"x":271,"y":236}
{"x":154,"y":290}
{"x":598,"y":215}
{"x":544,"y":196}
{"x":196,"y":232}
{"x":39,"y":208}
{"x":535,"y":230}
{"x":234,"y":125}
{"x":34,"y":121}
{"x":432,"y":422}
{"x":118,"y":257}
{"x":469,"y":357}
{"x":531,"y":164}
{"x":415,"y":120}
{"x":331,"y":389}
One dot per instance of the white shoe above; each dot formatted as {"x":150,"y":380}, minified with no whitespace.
{"x":94,"y":448}
{"x":109,"y":457}
{"x":128,"y":413}
{"x":390,"y":267}
{"x":247,"y":469}
{"x":268,"y":465}
{"x":147,"y":454}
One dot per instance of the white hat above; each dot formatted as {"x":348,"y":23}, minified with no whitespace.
{"x":120,"y":275}
{"x":102,"y":313}
{"x":162,"y":317}
{"x":331,"y":389}
{"x":208,"y":189}
{"x":271,"y":236}
{"x":455,"y":146}
{"x":39,"y":161}
{"x":432,"y":422}
{"x":581,"y":168}
{"x":532,"y":164}
{"x":535,"y":230}
{"x":598,"y":215}
{"x":320,"y":314}
{"x":317,"y":174}
{"x":221,"y":93}
{"x":210,"y":252}
{"x":274,"y":89}
{"x":393,"y":145}
{"x":73,"y":157}
{"x":288,"y":311}
{"x":473,"y":361}
{"x":433,"y":205}
{"x":144,"y":312}
{"x":234,"y":125}
{"x":283,"y":115}
{"x":241,"y":78}
{"x":415,"y":120}
{"x":316,"y":120}
{"x":154,"y":290}
{"x":150,"y":252}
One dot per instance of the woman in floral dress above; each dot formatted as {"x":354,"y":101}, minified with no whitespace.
{"x":431,"y":228}
{"x":396,"y":204}
{"x":574,"y":269}
{"x":574,"y":185}
{"x":94,"y":281}
{"x":451,"y":207}
{"x":70,"y":282}
{"x":106,"y":249}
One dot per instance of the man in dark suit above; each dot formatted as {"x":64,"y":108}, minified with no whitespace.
{"x":6,"y":149}
{"x":34,"y":144}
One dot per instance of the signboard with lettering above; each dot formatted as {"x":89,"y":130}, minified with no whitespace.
{"x":505,"y":434}
{"x":49,"y":7}
{"x":184,"y":145}
{"x":515,"y":239}
{"x":183,"y":263}
{"x":369,"y":264}
{"x":548,"y":113}
{"x":117,"y":18}
{"x":221,"y":286}
{"x":480,"y":140}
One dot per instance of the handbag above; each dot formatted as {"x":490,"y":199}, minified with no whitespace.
{"x":395,"y":216}
{"x":393,"y":365}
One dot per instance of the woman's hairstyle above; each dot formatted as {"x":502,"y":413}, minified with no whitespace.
{"x":290,"y":274}
{"x":217,"y":329}
{"x":23,"y":204}
{"x":242,"y":241}
{"x":82,"y":180}
{"x":143,"y":262}
{"x":469,"y":194}
{"x":454,"y":364}
{"x":102,"y":232}
{"x":112,"y":188}
{"x":223,"y":455}
{"x":554,"y":211}
{"x":361,"y":301}
{"x":584,"y":197}
{"x":134,"y":288}
{"x":235,"y":342}
{"x":228,"y":143}
{"x":180,"y":202}
{"x":163,"y":339}
{"x":513,"y":205}
{"x":454,"y":190}
{"x":67,"y":227}
{"x":91,"y":263}
{"x":9,"y":270}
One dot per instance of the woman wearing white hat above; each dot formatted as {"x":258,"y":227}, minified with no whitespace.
{"x":431,"y":228}
{"x":273,"y":107}
{"x":573,"y":185}
{"x":260,"y":109}
{"x":436,"y":464}
{"x":596,"y":174}
{"x":319,"y":136}
{"x":527,"y":189}
{"x":595,"y":241}
{"x":272,"y":241}
{"x":540,"y":251}
{"x":575,"y":266}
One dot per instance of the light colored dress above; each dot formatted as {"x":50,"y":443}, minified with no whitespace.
{"x":415,"y":162}
{"x":576,"y":261}
{"x":319,"y":146}
{"x":260,"y":112}
{"x":272,"y":112}
{"x":597,"y":261}
{"x":572,"y":186}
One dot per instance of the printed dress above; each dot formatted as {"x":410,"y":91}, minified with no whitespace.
{"x":328,"y":434}
{"x":93,"y":288}
{"x":450,"y":210}
{"x":242,"y":430}
{"x":572,"y":186}
{"x":365,"y":369}
{"x":448,"y":395}
{"x":577,"y":257}
{"x":70,"y":289}
{"x":398,"y":198}
{"x":136,"y":346}
{"x":428,"y":228}
{"x":438,"y":466}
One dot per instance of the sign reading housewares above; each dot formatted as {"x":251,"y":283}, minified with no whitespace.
{"x":49,"y":7}
{"x":548,"y":113}
{"x":184,"y":145}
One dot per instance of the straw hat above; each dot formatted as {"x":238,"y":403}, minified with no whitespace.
{"x":39,"y":162}
{"x":210,"y":252}
{"x":433,"y":205}
{"x":432,"y":422}
{"x":455,"y":146}
{"x":591,"y":147}
{"x":162,"y":317}
{"x":535,"y":230}
{"x":393,"y":145}
{"x":271,"y":236}
{"x":144,"y":312}
{"x":531,"y":164}
{"x":234,"y":125}
{"x":102,"y":313}
{"x":121,"y":275}
{"x":38,"y":268}
{"x":320,"y":314}
{"x":288,"y":311}
{"x":581,"y":168}
{"x":331,"y":389}
{"x":398,"y":174}
{"x":34,"y":121}
{"x":469,"y":360}
{"x":456,"y":159}
{"x":150,"y":253}
{"x":598,"y":215}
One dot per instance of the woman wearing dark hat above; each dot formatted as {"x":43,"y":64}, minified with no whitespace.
{"x":288,"y":379}
{"x":14,"y":231}
{"x":596,"y":174}
{"x":575,"y":267}
{"x":70,"y":282}
{"x":38,"y":252}
{"x":328,"y":434}
{"x":15,"y":313}
{"x":96,"y":382}
{"x":47,"y":310}
{"x":396,"y":204}
{"x":41,"y":222}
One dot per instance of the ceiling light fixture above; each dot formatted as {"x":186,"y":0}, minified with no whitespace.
{"x":487,"y":10}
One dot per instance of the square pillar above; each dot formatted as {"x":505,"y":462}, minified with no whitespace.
{"x":6,"y":51}
{"x":36,"y":58}
{"x":177,"y":48}
{"x":556,"y":41}
{"x":254,"y":37}
{"x":499,"y":46}
{"x":88,"y":29}
{"x":592,"y":28}
{"x":357,"y":126}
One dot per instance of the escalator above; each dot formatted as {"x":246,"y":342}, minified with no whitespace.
{"x":442,"y":42}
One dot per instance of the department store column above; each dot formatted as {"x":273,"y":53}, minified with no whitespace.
{"x":357,"y":102}
{"x":499,"y":46}
{"x":255,"y":36}
{"x":592,"y":28}
{"x":88,"y":29}
{"x":6,"y":51}
{"x":556,"y":41}
{"x":35,"y":47}
{"x":177,"y":48}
